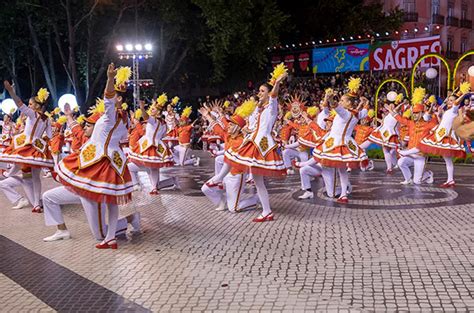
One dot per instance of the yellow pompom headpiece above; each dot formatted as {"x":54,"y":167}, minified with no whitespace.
{"x":279,"y":70}
{"x":328,"y":90}
{"x":62,"y":120}
{"x":42,"y":96}
{"x":124,"y":106}
{"x":464,"y":88}
{"x":246,"y":108}
{"x":399,"y":98}
{"x":407,"y":113}
{"x":186,"y":113}
{"x":432,"y":99}
{"x":226,"y":104}
{"x":122,"y":77}
{"x":56,"y":111}
{"x":175,"y":100}
{"x":418,"y":95}
{"x":332,"y":113}
{"x":371,"y":113}
{"x":48,"y":114}
{"x":288,"y":115}
{"x":353,"y":86}
{"x":99,"y":106}
{"x":81,"y":119}
{"x":19,"y":121}
{"x":312,"y":111}
{"x":162,"y":99}
{"x":138,"y":114}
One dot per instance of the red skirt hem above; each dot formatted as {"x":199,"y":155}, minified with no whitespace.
{"x":255,"y":170}
{"x":441,"y":152}
{"x":97,"y":197}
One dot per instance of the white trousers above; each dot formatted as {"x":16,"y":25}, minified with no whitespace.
{"x":52,"y":201}
{"x":308,"y":171}
{"x":411,"y":157}
{"x":290,"y":154}
{"x":233,"y":193}
{"x":36,"y":182}
{"x":95,"y":213}
{"x":9,"y":184}
{"x":329,"y":177}
{"x":153,"y":176}
{"x":218,"y":164}
{"x":180,"y":156}
{"x":390,"y":156}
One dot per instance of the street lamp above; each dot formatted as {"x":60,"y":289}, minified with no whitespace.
{"x":136,"y":52}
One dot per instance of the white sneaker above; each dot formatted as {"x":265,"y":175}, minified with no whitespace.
{"x":58,"y":235}
{"x":349,"y":170}
{"x":430,"y":178}
{"x":197,"y":162}
{"x":221,"y":206}
{"x":290,"y":171}
{"x":307,"y":195}
{"x":371,"y":166}
{"x":22,"y":203}
{"x":135,"y":223}
{"x":406,"y":182}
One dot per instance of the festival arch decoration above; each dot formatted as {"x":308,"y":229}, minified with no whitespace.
{"x":380,"y":87}
{"x":428,"y":55}
{"x":458,"y":62}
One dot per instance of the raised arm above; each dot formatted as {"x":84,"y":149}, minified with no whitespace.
{"x":12,"y":93}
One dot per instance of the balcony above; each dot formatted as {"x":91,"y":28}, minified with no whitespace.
{"x":466,"y":24}
{"x":453,"y":55}
{"x":438,"y":19}
{"x":452,"y":21}
{"x":410,"y":17}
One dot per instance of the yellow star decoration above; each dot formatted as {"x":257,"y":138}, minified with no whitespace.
{"x":340,"y":55}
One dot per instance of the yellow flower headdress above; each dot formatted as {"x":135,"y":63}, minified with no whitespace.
{"x":288,"y":115}
{"x":312,"y":111}
{"x":138,"y":114}
{"x":99,"y":106}
{"x":418,"y":95}
{"x":186,"y":113}
{"x":42,"y":96}
{"x":81,"y":119}
{"x":464,"y":88}
{"x":399,"y":98}
{"x":279,"y":70}
{"x":122,"y":77}
{"x":61,"y":120}
{"x":175,"y":100}
{"x":162,"y":99}
{"x":353,"y":86}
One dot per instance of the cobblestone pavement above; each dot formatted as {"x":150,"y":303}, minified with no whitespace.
{"x":391,"y":249}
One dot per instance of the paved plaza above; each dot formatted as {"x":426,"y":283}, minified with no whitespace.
{"x":393,"y":248}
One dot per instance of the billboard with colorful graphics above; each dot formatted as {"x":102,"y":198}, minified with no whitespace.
{"x":298,"y":63}
{"x":350,"y":58}
{"x":402,"y":54}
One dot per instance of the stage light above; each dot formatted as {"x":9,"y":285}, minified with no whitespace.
{"x":387,"y":33}
{"x":129,"y":47}
{"x":138,"y":47}
{"x":427,"y":28}
{"x":415,"y":30}
{"x":148,"y":47}
{"x":431,"y":73}
{"x":392,"y":96}
{"x":8,"y":106}
{"x":119,"y":47}
{"x":67,"y":98}
{"x":351,"y":38}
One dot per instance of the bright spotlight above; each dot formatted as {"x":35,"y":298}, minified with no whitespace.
{"x":67,"y":98}
{"x":119,"y":47}
{"x":129,"y":47}
{"x":148,"y":47}
{"x":138,"y":47}
{"x":8,"y":106}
